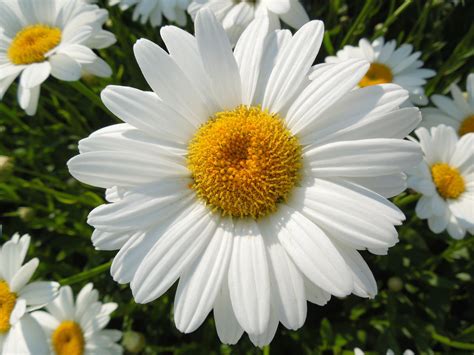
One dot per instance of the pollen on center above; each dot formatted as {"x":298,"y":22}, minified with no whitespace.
{"x":7,"y":304}
{"x":448,"y":181}
{"x":68,"y":339}
{"x":32,"y":43}
{"x":244,"y":162}
{"x":377,"y":74}
{"x":467,"y":126}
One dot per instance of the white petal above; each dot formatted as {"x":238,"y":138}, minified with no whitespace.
{"x":365,"y":103}
{"x":335,"y":207}
{"x":227,"y":326}
{"x":316,"y":294}
{"x":64,"y":68}
{"x":293,"y":66}
{"x":296,"y":16}
{"x":324,"y":90}
{"x":170,"y":83}
{"x":371,"y":157}
{"x":62,"y":308}
{"x":249,"y":282}
{"x":218,"y":60}
{"x":147,"y":112}
{"x":142,"y":207}
{"x":80,"y":53}
{"x":183,"y":49}
{"x":108,"y":240}
{"x":39,"y":293}
{"x":248,"y":53}
{"x":26,"y":337}
{"x":266,"y":337}
{"x":198,"y":288}
{"x":172,"y":254}
{"x":114,"y":168}
{"x":98,"y":68}
{"x":23,"y":275}
{"x":47,"y":321}
{"x":288,"y":295}
{"x":35,"y":74}
{"x":312,"y":251}
{"x":364,"y":281}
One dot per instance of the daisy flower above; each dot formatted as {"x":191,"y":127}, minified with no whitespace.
{"x":19,"y":332}
{"x":457,"y":112}
{"x":154,"y":10}
{"x":49,"y":37}
{"x":445,"y":179}
{"x":389,"y":64}
{"x":235,"y":16}
{"x":78,"y":327}
{"x":248,"y":182}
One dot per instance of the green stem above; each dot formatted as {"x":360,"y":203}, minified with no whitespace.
{"x":360,"y":19}
{"x":452,"y":343}
{"x":406,"y":200}
{"x":393,"y":17}
{"x":85,"y":275}
{"x":328,"y":44}
{"x":95,"y":99}
{"x":266,"y":350}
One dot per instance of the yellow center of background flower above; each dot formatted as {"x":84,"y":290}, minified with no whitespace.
{"x":7,"y":303}
{"x":467,"y":126}
{"x":244,"y":162}
{"x":448,"y":181}
{"x":68,"y":339}
{"x":377,"y":74}
{"x":32,"y":43}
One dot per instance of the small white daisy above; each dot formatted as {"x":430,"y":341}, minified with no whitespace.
{"x":77,"y":328}
{"x":457,"y":112}
{"x":49,"y":37}
{"x":251,"y":184}
{"x":19,"y":332}
{"x":235,"y":16}
{"x":154,"y":10}
{"x":390,"y":65}
{"x":445,"y":179}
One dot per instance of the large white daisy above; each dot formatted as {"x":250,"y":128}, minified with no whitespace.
{"x":77,"y":328}
{"x":19,"y":332}
{"x":445,"y":179}
{"x":49,"y":37}
{"x":457,"y":112}
{"x":154,"y":10}
{"x":389,"y":64}
{"x":249,"y":183}
{"x":235,"y":16}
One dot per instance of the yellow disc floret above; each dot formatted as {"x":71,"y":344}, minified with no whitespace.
{"x":32,"y":43}
{"x":7,"y":303}
{"x":377,"y":74}
{"x":449,"y":182}
{"x":68,"y":339}
{"x":467,"y":126}
{"x":244,"y":162}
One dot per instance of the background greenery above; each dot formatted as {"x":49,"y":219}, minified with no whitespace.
{"x":425,"y":283}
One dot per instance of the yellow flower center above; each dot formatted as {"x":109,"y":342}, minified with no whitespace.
{"x":244,"y":162}
{"x":7,"y":303}
{"x":377,"y":74}
{"x":448,"y":181}
{"x":32,"y":43}
{"x":467,"y":126}
{"x":68,"y":339}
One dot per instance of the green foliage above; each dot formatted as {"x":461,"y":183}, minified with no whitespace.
{"x":425,"y":283}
